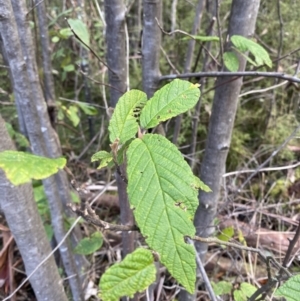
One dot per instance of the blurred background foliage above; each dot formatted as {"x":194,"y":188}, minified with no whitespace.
{"x":264,"y":119}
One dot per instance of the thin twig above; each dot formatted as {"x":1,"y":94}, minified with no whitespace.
{"x":287,"y":140}
{"x":100,"y":83}
{"x":273,"y":281}
{"x":33,"y":7}
{"x":173,"y":32}
{"x":90,"y":216}
{"x":263,"y":90}
{"x":290,"y":249}
{"x":228,"y":174}
{"x":204,"y":275}
{"x":232,"y":74}
{"x":169,"y":61}
{"x":219,"y":31}
{"x":243,"y":248}
{"x":90,"y":49}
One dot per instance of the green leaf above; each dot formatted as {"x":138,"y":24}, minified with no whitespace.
{"x":65,"y":33}
{"x":171,"y":100}
{"x":222,"y":288}
{"x":81,"y":30}
{"x":72,"y":114}
{"x":162,"y":189}
{"x":134,"y":274}
{"x":226,"y":234}
{"x":75,"y":198}
{"x":87,"y":109}
{"x":69,"y":68}
{"x":123,"y":123}
{"x":121,"y":155}
{"x":104,"y":157}
{"x":290,"y":290}
{"x":200,"y":185}
{"x":243,"y":44}
{"x":55,"y":39}
{"x":89,"y":245}
{"x":20,"y":139}
{"x":231,"y":61}
{"x":49,"y":231}
{"x":246,"y":290}
{"x":10,"y":130}
{"x":203,"y":38}
{"x":238,"y":296}
{"x":21,"y":167}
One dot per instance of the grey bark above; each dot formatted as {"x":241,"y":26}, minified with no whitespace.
{"x":116,"y":48}
{"x":18,"y":45}
{"x":24,"y":221}
{"x":173,"y":14}
{"x":116,"y":59}
{"x":151,"y":41}
{"x":242,"y":22}
{"x":49,"y":91}
{"x":85,"y":67}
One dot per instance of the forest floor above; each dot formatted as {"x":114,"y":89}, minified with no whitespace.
{"x":266,"y":225}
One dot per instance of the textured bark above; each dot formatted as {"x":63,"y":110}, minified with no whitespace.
{"x":19,"y":208}
{"x":49,"y":91}
{"x":18,"y":45}
{"x":151,"y":41}
{"x":116,"y":48}
{"x":85,"y":66}
{"x":242,"y":22}
{"x":116,"y":59}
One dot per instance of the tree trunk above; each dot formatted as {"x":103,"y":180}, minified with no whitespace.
{"x":151,"y":41}
{"x":116,"y":60}
{"x":49,"y":91}
{"x":242,"y":22}
{"x":84,"y":64}
{"x":19,"y":208}
{"x":116,"y":48}
{"x":18,"y":46}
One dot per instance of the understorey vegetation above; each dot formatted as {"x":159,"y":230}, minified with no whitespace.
{"x":149,"y":150}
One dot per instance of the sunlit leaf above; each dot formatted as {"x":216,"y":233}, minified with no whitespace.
{"x":134,"y":274}
{"x":123,"y":124}
{"x":21,"y":167}
{"x":222,"y":288}
{"x":88,"y":109}
{"x":203,"y":38}
{"x":171,"y":100}
{"x":81,"y":30}
{"x":246,"y":291}
{"x":162,"y":189}
{"x":260,"y":54}
{"x":226,"y":234}
{"x":290,"y":290}
{"x":231,"y":61}
{"x":72,"y":114}
{"x":104,"y":157}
